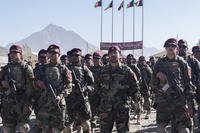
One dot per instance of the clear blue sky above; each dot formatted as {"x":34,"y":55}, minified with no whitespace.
{"x":163,"y":19}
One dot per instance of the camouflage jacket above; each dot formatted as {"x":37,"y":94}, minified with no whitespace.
{"x":59,"y":76}
{"x":85,"y":77}
{"x":96,"y":70}
{"x":195,"y":74}
{"x":180,"y":77}
{"x":23,"y":77}
{"x":136,"y":70}
{"x":116,"y":85}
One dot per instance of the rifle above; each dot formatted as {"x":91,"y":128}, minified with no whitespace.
{"x":13,"y":91}
{"x":173,"y":83}
{"x":48,"y":85}
{"x":76,"y":81}
{"x":11,"y":83}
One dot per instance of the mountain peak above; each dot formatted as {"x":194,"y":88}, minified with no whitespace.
{"x":53,"y":27}
{"x":53,"y":34}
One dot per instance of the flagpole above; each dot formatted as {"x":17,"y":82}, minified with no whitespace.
{"x":133,"y":24}
{"x":123,"y":24}
{"x":142,"y":28}
{"x":101,"y":20}
{"x":112,"y":20}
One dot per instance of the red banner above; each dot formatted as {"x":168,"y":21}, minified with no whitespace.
{"x":123,"y":46}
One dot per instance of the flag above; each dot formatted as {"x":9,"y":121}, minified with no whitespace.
{"x":98,"y":3}
{"x":110,"y":5}
{"x":139,"y":3}
{"x":121,"y":6}
{"x":130,"y":4}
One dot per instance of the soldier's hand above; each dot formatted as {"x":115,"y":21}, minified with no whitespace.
{"x":40,"y":84}
{"x":57,"y":100}
{"x":5,"y":84}
{"x":162,"y":77}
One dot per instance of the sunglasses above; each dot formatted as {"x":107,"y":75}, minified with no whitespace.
{"x":182,"y":46}
{"x":42,"y":57}
{"x":54,"y":52}
{"x":171,"y":46}
{"x":76,"y":55}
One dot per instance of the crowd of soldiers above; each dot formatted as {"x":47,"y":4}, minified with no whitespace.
{"x":73,"y":92}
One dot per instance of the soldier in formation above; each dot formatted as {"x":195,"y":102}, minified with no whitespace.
{"x":135,"y":105}
{"x":171,"y":81}
{"x":17,"y":84}
{"x":146,"y":74}
{"x":78,"y":105}
{"x":55,"y":81}
{"x":117,"y":83}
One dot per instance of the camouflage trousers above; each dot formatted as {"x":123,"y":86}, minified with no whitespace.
{"x":13,"y":116}
{"x":49,"y":116}
{"x":118,"y":116}
{"x":178,"y":116}
{"x":78,"y":118}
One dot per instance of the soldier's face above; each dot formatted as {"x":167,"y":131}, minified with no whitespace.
{"x":76,"y":59}
{"x":88,"y":61}
{"x":96,"y":61}
{"x":15,"y":57}
{"x":171,"y":50}
{"x":129,"y":60}
{"x":43,"y":58}
{"x":114,"y":56}
{"x":54,"y":56}
{"x":197,"y":55}
{"x":182,"y":50}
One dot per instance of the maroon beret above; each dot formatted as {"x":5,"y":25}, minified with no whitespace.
{"x":52,"y":47}
{"x":76,"y":51}
{"x":15,"y":48}
{"x":114,"y":48}
{"x":196,"y":49}
{"x":171,"y":42}
{"x":182,"y":42}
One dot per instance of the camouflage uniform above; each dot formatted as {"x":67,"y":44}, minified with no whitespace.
{"x":116,"y":85}
{"x":194,"y":64}
{"x":42,"y":60}
{"x":94,"y":97}
{"x":146,"y":74}
{"x":76,"y":105}
{"x":59,"y":77}
{"x":135,"y":105}
{"x":171,"y":104}
{"x":16,"y":104}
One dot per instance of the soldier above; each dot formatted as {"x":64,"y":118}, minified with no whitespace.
{"x":94,"y":97}
{"x":134,"y":104}
{"x":42,"y":60}
{"x":152,"y":62}
{"x":64,"y":60}
{"x":146,"y":74}
{"x":194,"y":64}
{"x":172,"y":85}
{"x":117,"y":83}
{"x":42,"y":57}
{"x":17,"y":82}
{"x":69,"y":57}
{"x":78,"y":103}
{"x":196,"y":52}
{"x":55,"y":81}
{"x":105,"y":59}
{"x":88,"y":60}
